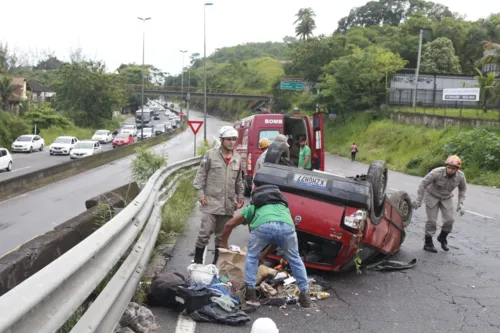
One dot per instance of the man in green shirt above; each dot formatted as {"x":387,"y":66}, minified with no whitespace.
{"x":270,"y":223}
{"x":305,"y":154}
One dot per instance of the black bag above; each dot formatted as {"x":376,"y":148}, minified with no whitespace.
{"x":267,"y":194}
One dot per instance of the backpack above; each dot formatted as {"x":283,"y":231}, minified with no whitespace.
{"x":267,"y":194}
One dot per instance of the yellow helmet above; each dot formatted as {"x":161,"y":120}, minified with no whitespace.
{"x":264,"y":143}
{"x":454,"y":160}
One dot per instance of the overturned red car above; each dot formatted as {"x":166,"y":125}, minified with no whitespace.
{"x":339,"y":219}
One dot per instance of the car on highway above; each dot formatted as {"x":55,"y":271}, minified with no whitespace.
{"x":122,"y":139}
{"x":341,"y":222}
{"x":156,"y":114}
{"x":5,"y":160}
{"x":129,"y":129}
{"x":168,"y":125}
{"x":146,"y":133}
{"x":103,"y":136}
{"x":159,"y":129}
{"x":85,"y":148}
{"x":63,"y":145}
{"x":28,"y":143}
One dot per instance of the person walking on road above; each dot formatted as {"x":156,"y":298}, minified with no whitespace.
{"x":270,"y":222}
{"x":438,"y":188}
{"x":220,"y":189}
{"x":304,"y":154}
{"x":354,"y":151}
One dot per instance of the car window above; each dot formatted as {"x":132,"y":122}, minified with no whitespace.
{"x":63,"y":140}
{"x":24,"y":138}
{"x":269,"y":134}
{"x":3,"y":153}
{"x":84,"y":145}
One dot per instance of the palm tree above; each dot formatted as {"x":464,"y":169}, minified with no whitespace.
{"x":486,"y":85}
{"x":305,"y":23}
{"x":6,"y":90}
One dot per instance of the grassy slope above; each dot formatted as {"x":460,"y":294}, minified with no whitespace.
{"x":399,"y":144}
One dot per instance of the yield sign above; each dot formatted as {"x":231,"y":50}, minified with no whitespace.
{"x":195,"y":125}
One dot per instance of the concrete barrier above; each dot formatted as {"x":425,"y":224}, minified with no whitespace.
{"x":21,"y":263}
{"x":24,"y":183}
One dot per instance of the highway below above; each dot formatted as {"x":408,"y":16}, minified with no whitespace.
{"x":25,"y":163}
{"x":39,"y":211}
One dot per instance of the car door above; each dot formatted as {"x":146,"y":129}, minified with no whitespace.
{"x":3,"y":159}
{"x":36,"y":142}
{"x":96,"y":148}
{"x":109,"y":137}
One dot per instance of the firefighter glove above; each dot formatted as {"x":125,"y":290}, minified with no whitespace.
{"x":460,"y":209}
{"x":416,"y":204}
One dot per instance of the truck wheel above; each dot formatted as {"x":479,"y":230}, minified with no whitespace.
{"x":377,"y":176}
{"x":402,"y":202}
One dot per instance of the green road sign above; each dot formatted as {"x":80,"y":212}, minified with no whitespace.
{"x":291,"y":84}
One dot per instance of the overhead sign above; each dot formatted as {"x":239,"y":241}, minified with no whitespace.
{"x":195,"y":125}
{"x":461,"y":94}
{"x":288,"y":83}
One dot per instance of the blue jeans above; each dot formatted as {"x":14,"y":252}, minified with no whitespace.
{"x":283,"y":235}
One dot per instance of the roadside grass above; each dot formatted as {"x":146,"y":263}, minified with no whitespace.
{"x":493,"y":114}
{"x":414,"y":150}
{"x":51,"y":133}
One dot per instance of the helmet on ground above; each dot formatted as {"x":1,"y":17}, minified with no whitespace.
{"x":228,"y":132}
{"x":454,"y":160}
{"x":264,"y":325}
{"x":264,"y":143}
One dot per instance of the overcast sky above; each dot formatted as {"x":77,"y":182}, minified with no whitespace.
{"x":109,"y":29}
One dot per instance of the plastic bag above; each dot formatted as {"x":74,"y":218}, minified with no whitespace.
{"x":203,"y":274}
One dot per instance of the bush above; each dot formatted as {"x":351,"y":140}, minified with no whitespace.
{"x":146,"y":163}
{"x":204,"y":147}
{"x":179,"y":207}
{"x":11,"y":127}
{"x":44,"y":116}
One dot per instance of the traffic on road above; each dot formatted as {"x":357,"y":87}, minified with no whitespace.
{"x":30,"y":152}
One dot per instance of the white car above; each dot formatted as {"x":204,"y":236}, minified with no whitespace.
{"x":85,"y":148}
{"x":63,"y":145}
{"x":129,"y":129}
{"x":28,"y":143}
{"x":103,"y":136}
{"x":5,"y":160}
{"x":146,"y":132}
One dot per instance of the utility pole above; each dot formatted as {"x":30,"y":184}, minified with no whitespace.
{"x":188,"y":96}
{"x":182,"y":78}
{"x":142,"y":72}
{"x":414,"y":104}
{"x":205,"y":71}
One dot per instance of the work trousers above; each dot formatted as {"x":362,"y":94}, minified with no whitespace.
{"x":211,"y":223}
{"x":447,"y":215}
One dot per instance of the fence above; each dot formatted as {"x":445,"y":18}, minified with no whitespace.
{"x":45,"y":301}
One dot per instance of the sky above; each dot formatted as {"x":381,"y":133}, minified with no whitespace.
{"x":110,"y":30}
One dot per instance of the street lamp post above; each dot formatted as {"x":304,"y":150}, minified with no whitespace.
{"x":142,"y":73}
{"x":205,"y":71}
{"x":182,"y":78}
{"x":188,"y":97}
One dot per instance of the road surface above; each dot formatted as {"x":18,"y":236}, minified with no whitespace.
{"x":24,"y":162}
{"x":458,"y":291}
{"x":39,"y":211}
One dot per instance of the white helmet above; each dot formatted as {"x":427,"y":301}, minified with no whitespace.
{"x":264,"y":325}
{"x":228,"y":132}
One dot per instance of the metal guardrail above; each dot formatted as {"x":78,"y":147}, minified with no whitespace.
{"x":45,"y":301}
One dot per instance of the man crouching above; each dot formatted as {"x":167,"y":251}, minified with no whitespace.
{"x":270,"y":223}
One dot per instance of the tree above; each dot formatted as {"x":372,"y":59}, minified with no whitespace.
{"x":6,"y":90}
{"x":487,"y":85}
{"x":49,"y":64}
{"x":357,"y":81}
{"x":88,"y":94}
{"x":305,"y":23}
{"x":439,"y":56}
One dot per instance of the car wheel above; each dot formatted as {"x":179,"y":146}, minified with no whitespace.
{"x":402,"y":202}
{"x":31,"y":149}
{"x":9,"y":167}
{"x":41,"y":148}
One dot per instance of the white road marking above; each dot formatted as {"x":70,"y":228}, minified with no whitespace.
{"x":468,"y":211}
{"x":21,"y":169}
{"x":481,"y":215}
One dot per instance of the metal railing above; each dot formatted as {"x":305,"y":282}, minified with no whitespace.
{"x":45,"y":301}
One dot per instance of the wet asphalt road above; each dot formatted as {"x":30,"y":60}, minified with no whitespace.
{"x":25,"y":163}
{"x":458,"y":291}
{"x":38,"y":211}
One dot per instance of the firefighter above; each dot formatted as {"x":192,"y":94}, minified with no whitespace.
{"x":220,"y":190}
{"x":263,"y":146}
{"x":438,"y":188}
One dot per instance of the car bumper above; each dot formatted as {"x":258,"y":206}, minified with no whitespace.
{"x":59,"y":151}
{"x":19,"y":149}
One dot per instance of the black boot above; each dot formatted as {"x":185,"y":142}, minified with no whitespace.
{"x":429,"y":245}
{"x":198,"y":255}
{"x":442,"y":239}
{"x":216,"y":255}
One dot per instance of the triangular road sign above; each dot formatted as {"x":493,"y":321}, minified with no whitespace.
{"x":195,"y":125}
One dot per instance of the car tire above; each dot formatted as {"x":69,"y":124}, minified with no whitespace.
{"x":377,"y":177}
{"x":402,"y":202}
{"x":31,"y":149}
{"x":41,"y":148}
{"x":9,"y":167}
